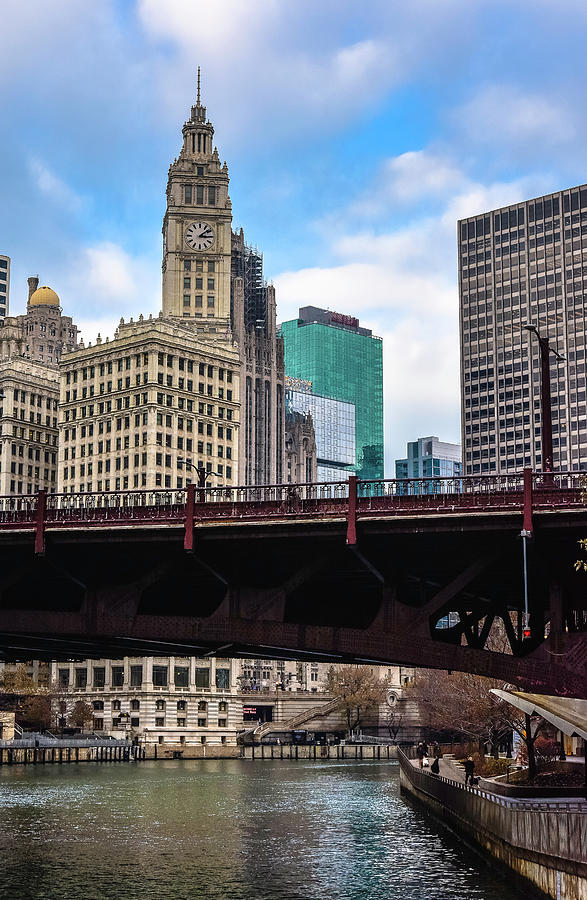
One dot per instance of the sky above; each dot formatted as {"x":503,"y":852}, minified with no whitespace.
{"x":355,"y":134}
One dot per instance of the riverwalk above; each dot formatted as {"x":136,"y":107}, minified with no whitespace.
{"x":541,"y":841}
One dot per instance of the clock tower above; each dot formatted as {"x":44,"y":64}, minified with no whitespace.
{"x":197,"y":230}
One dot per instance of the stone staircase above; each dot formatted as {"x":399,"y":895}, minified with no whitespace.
{"x":296,"y":721}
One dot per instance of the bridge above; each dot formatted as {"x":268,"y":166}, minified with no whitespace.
{"x":417,"y":573}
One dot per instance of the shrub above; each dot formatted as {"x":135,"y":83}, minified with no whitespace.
{"x":546,"y":750}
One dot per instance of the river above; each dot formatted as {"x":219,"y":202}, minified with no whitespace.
{"x":227,"y":829}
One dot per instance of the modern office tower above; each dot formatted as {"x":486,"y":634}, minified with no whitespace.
{"x":134,"y":408}
{"x":343,"y":362}
{"x":253,"y":321}
{"x":4,"y":285}
{"x":525,"y":264}
{"x":334,"y":428}
{"x":429,"y":458}
{"x":30,"y":349}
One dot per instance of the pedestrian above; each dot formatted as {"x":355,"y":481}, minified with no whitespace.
{"x":420,"y":753}
{"x":425,"y":745}
{"x":435,"y":767}
{"x":469,"y":771}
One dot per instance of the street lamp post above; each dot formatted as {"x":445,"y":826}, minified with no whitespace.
{"x":545,"y":402}
{"x":203,"y":475}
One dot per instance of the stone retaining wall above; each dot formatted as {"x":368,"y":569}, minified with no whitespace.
{"x":540,"y":842}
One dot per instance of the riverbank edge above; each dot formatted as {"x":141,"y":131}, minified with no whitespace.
{"x":62,"y":755}
{"x":540,"y":875}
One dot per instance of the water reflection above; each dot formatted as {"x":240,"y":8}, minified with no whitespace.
{"x":226,"y":829}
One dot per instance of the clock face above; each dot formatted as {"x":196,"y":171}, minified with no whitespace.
{"x":199,"y":235}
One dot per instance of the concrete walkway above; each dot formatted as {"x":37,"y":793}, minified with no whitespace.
{"x":454,"y":771}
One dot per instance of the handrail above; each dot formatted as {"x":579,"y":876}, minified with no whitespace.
{"x":349,"y":501}
{"x":566,"y":806}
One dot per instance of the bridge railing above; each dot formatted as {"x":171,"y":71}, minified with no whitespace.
{"x":408,"y":496}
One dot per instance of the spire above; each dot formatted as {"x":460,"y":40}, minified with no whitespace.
{"x":198,"y":111}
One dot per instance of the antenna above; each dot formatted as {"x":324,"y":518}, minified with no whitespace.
{"x":198,"y":94}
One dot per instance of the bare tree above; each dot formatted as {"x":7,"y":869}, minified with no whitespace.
{"x":360,"y":691}
{"x":81,"y":714}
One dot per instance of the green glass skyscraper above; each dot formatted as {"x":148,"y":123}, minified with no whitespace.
{"x":345,"y":362}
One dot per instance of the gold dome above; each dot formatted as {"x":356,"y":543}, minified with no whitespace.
{"x":44,"y":296}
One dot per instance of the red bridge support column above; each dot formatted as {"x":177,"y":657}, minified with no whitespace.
{"x":528,"y":502}
{"x":40,"y":523}
{"x":351,"y":528}
{"x":188,"y":540}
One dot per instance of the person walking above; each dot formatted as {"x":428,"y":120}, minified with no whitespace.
{"x":469,"y":771}
{"x":420,"y":753}
{"x":435,"y":767}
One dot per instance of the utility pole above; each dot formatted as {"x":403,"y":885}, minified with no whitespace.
{"x":545,"y":402}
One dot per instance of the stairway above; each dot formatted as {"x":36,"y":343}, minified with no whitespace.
{"x":295,"y":721}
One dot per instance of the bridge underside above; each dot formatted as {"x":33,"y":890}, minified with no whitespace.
{"x":296,"y":590}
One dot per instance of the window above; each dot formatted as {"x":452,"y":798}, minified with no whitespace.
{"x":181,"y":705}
{"x":136,"y":676}
{"x":99,"y":676}
{"x":160,"y":676}
{"x":117,"y":676}
{"x":201,"y":723}
{"x":223,"y":679}
{"x":81,"y":678}
{"x":160,"y":705}
{"x":116,"y":705}
{"x":64,"y":678}
{"x":202,"y":706}
{"x":222,"y":723}
{"x":182,"y":676}
{"x":135,"y":704}
{"x":180,"y":723}
{"x":159,"y":722}
{"x":98,"y":704}
{"x":134,"y":722}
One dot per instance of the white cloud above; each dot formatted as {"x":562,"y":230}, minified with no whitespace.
{"x":52,"y":186}
{"x":406,"y":179}
{"x":504,"y":114}
{"x":108,"y":283}
{"x":403,"y":285}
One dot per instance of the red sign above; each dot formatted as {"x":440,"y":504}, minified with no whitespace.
{"x":341,"y":319}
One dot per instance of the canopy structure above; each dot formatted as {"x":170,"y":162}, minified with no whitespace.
{"x":568,"y":714}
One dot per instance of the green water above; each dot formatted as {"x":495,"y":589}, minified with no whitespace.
{"x":227,"y":829}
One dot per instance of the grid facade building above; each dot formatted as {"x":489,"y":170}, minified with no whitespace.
{"x":334,"y":428}
{"x":344,"y":362}
{"x":133,"y":408}
{"x":525,"y":264}
{"x":4,"y":285}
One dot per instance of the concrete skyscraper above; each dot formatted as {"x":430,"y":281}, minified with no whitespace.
{"x":521,"y":265}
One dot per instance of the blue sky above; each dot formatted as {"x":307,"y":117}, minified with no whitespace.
{"x":355,"y":136}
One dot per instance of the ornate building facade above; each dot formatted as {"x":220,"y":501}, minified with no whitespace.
{"x":254,"y":324}
{"x":31,"y":346}
{"x":136,"y":409}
